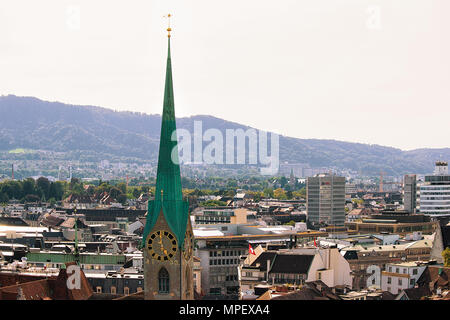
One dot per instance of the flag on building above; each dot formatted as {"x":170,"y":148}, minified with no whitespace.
{"x":250,"y":250}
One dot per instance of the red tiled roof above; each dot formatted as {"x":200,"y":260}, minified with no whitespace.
{"x":46,"y":289}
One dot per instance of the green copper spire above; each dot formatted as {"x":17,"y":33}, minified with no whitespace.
{"x":168,"y":193}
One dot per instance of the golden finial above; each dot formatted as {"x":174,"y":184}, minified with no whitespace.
{"x":168,"y":24}
{"x":161,"y":194}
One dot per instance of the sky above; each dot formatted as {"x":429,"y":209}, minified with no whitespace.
{"x":369,"y":71}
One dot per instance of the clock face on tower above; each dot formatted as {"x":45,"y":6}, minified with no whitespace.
{"x":162,"y":245}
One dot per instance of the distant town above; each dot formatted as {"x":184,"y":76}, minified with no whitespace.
{"x":323,"y":236}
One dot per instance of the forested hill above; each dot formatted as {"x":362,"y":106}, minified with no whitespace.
{"x":30,"y":123}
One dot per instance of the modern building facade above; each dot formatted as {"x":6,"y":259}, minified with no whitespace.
{"x":326,"y":199}
{"x":434,"y":198}
{"x":410,"y":193}
{"x":220,"y":215}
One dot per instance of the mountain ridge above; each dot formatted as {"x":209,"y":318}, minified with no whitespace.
{"x":32,"y":123}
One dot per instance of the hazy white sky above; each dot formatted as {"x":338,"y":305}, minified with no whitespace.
{"x":371,"y":71}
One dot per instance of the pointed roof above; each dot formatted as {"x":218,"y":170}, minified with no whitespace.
{"x":168,"y":178}
{"x":168,"y":193}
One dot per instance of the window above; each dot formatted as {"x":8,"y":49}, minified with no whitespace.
{"x":138,"y":289}
{"x":414,"y":271}
{"x":163,"y":279}
{"x":389,"y":280}
{"x":412,"y":282}
{"x":399,"y":282}
{"x":320,"y":276}
{"x":126,"y":290}
{"x":113,"y":290}
{"x":215,"y":291}
{"x":99,"y":289}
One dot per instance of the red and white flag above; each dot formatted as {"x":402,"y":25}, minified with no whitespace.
{"x":250,"y":250}
{"x":315,"y":244}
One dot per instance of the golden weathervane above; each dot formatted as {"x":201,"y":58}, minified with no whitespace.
{"x":168,"y":24}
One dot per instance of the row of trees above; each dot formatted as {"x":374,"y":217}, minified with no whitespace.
{"x":31,"y":190}
{"x":42,"y":189}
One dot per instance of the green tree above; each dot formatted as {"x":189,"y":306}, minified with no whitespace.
{"x":43,"y":184}
{"x":280,"y":194}
{"x":122,"y":186}
{"x":115,"y":192}
{"x":29,"y":186}
{"x":13,"y":189}
{"x":136,"y":193}
{"x":268,"y":192}
{"x":290,"y":223}
{"x":3,"y":197}
{"x":446,"y":256}
{"x":213,"y":203}
{"x":32,"y":198}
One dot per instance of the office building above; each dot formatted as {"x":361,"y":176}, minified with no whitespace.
{"x":326,"y":199}
{"x":409,"y":193}
{"x":434,"y":199}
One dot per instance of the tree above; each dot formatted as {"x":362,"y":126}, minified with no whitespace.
{"x":32,"y":198}
{"x":115,"y":192}
{"x":213,"y":203}
{"x":290,"y":223}
{"x":446,"y":256}
{"x":43,"y":184}
{"x":56,"y":190}
{"x":29,"y":186}
{"x":52,"y":202}
{"x":136,"y":193}
{"x":268,"y":192}
{"x":13,"y":189}
{"x":122,"y":186}
{"x":283,"y":181}
{"x":4,"y":197}
{"x":280,"y":194}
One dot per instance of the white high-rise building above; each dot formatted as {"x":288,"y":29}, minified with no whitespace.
{"x":434,"y":194}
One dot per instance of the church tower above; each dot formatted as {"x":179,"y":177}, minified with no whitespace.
{"x":168,"y":237}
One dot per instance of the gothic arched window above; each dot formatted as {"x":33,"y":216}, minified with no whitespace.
{"x":163,"y":279}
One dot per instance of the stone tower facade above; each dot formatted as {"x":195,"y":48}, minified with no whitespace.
{"x":168,"y":238}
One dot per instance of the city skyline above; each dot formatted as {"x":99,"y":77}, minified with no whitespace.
{"x":371,"y":73}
